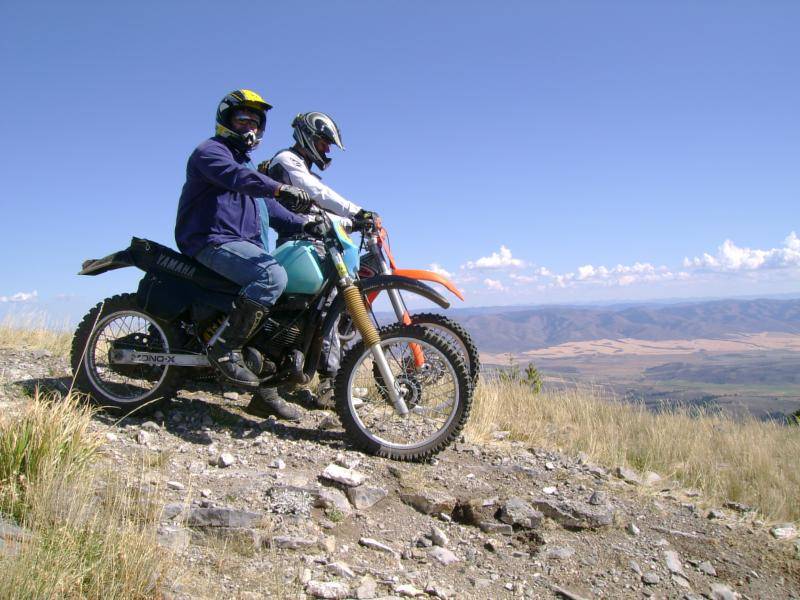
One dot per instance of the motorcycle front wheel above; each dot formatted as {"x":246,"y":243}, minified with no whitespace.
{"x":118,"y":323}
{"x":438,"y":395}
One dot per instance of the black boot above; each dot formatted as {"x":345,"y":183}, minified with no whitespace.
{"x":226,"y":353}
{"x":266,"y":402}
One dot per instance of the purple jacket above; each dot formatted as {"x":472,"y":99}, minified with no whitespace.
{"x":218,"y":201}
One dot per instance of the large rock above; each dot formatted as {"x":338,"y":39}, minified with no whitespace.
{"x":223,"y":517}
{"x":364,"y":497}
{"x":429,"y":502}
{"x":515,"y":511}
{"x":574,"y":515}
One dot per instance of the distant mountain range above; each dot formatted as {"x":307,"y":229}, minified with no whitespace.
{"x":520,"y":329}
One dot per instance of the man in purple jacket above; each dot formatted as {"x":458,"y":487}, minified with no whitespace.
{"x":219,"y":224}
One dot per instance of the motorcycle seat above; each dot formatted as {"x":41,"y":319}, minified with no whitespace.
{"x":151,"y":257}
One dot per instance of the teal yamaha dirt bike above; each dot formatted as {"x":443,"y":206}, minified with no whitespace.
{"x":401,"y":392}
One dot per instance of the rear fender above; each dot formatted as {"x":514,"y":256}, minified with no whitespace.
{"x":117,"y":260}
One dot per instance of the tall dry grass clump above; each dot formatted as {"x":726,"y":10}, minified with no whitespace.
{"x":35,"y":331}
{"x":742,"y":459}
{"x":88,"y":538}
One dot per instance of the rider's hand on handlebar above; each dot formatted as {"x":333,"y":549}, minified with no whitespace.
{"x":316,"y":227}
{"x":366,"y":219}
{"x":293,"y":198}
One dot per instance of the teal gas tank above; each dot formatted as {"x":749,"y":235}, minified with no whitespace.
{"x":302,"y":266}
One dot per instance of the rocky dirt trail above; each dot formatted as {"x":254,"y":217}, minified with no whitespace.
{"x":258,"y":509}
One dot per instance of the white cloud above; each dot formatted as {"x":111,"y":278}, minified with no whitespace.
{"x":731,"y":258}
{"x":439,"y":270}
{"x":496,"y":260}
{"x":495,"y":285}
{"x":523,"y":278}
{"x":21,"y":297}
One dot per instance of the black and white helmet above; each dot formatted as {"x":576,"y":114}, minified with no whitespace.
{"x":308,"y":128}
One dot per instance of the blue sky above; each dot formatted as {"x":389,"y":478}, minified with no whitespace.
{"x":538,"y":152}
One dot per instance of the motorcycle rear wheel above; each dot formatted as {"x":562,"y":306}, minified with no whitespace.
{"x":118,"y":322}
{"x":439,"y":396}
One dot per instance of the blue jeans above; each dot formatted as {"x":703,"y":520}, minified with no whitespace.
{"x":262,"y":278}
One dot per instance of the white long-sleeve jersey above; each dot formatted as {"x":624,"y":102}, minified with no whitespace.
{"x":289,"y":168}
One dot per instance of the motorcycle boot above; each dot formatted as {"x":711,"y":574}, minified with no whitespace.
{"x":226,"y":353}
{"x":266,"y":402}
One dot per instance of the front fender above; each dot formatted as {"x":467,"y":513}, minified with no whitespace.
{"x":380,"y":283}
{"x":423,"y":275}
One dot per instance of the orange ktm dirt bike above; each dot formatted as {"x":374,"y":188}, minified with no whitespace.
{"x":378,"y":260}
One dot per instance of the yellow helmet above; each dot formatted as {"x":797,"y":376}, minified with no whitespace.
{"x":242,"y":99}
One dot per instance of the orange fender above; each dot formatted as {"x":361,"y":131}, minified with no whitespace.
{"x":423,"y":275}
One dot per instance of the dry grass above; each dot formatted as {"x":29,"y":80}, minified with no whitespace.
{"x":88,"y":536}
{"x":35,"y":331}
{"x":742,"y":460}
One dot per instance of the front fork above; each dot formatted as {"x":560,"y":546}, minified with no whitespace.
{"x":372,"y":340}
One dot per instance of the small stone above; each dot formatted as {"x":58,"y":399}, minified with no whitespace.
{"x":278,"y":464}
{"x":288,"y":542}
{"x":784,"y":531}
{"x":673,"y":561}
{"x":560,"y":553}
{"x":628,"y":475}
{"x":707,"y":568}
{"x":650,"y":578}
{"x":443,"y":555}
{"x":715,"y":514}
{"x":175,"y":485}
{"x":331,"y":590}
{"x":408,"y":590}
{"x":347,"y":477}
{"x":438,"y":591}
{"x":650,"y":478}
{"x":438,"y":537}
{"x":549,"y":466}
{"x":142,"y":438}
{"x":574,"y":515}
{"x":738,"y":507}
{"x":205,"y":493}
{"x":635,"y":567}
{"x":231,"y":395}
{"x":111,"y":437}
{"x":348,"y":462}
{"x":367,"y":589}
{"x":722,"y":592}
{"x":692,"y":493}
{"x":633,"y":529}
{"x":429,"y":501}
{"x":550,"y":490}
{"x":376,"y":545}
{"x":598,"y":498}
{"x":341,"y":569}
{"x":174,"y":539}
{"x":681,"y":581}
{"x":151,"y":426}
{"x":364,"y":497}
{"x":328,"y":422}
{"x":226,"y":459}
{"x":493,"y":527}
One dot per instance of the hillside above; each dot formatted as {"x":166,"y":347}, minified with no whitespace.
{"x":519,"y":330}
{"x":237,"y":507}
